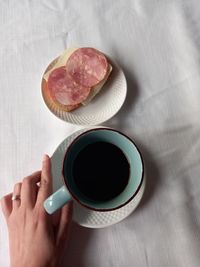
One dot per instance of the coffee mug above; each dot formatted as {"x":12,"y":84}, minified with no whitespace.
{"x":102,"y":170}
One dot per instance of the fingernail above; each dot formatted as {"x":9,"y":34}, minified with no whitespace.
{"x":45,"y":157}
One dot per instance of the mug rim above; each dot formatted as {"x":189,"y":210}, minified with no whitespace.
{"x":74,"y":195}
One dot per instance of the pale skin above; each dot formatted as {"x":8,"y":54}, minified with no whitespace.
{"x":36,"y":239}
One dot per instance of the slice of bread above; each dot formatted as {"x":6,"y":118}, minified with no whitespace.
{"x":61,"y":61}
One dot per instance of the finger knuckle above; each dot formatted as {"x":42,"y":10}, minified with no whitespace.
{"x":17,"y":185}
{"x":26,"y":180}
{"x":44,"y":183}
{"x":65,"y":220}
{"x":35,"y":218}
{"x":2,"y":200}
{"x":41,"y":214}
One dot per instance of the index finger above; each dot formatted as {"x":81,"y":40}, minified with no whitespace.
{"x":45,"y":188}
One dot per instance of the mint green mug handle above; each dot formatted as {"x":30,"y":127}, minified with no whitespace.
{"x":57,"y":200}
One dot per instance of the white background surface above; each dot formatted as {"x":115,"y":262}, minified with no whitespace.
{"x":157,"y":43}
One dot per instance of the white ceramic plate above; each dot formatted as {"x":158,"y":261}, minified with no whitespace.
{"x":102,"y":107}
{"x":81,"y":215}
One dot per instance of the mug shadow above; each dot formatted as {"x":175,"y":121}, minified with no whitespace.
{"x":128,"y":105}
{"x":152,"y":176}
{"x":77,"y":246}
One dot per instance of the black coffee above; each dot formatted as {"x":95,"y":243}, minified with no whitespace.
{"x":101,"y":171}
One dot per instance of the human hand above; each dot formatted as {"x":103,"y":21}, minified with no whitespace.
{"x":36,"y":239}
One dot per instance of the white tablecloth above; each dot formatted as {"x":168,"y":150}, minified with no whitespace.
{"x":157,"y":43}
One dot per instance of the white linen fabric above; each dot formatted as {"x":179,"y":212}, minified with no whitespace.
{"x":157,"y":43}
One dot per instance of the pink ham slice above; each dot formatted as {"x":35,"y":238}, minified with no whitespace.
{"x":87,"y":66}
{"x":64,"y":89}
